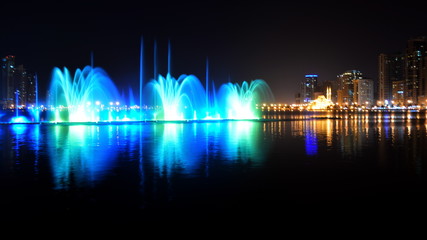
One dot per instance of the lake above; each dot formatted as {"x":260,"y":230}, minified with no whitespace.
{"x":290,"y":165}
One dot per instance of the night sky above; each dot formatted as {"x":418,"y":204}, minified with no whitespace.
{"x":244,"y":41}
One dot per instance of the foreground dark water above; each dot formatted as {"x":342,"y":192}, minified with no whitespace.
{"x":235,"y":169}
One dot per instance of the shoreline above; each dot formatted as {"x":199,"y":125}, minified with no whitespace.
{"x":143,"y":122}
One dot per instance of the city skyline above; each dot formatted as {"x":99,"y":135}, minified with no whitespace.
{"x":87,"y":135}
{"x":401,"y":81}
{"x":242,"y":42}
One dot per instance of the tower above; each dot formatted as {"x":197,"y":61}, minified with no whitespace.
{"x":390,"y":71}
{"x":308,"y":87}
{"x":415,"y":70}
{"x":363,"y":91}
{"x":7,"y":81}
{"x":14,"y":78}
{"x":345,"y":84}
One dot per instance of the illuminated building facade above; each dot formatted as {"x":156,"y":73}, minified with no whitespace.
{"x":6,"y":81}
{"x":345,"y":84}
{"x":15,"y":79}
{"x":416,"y":70}
{"x":390,"y":70}
{"x":363,"y":92}
{"x":398,"y":88}
{"x":308,"y":88}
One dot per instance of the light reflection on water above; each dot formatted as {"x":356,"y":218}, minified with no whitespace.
{"x":176,"y":160}
{"x":81,"y":155}
{"x":388,"y":140}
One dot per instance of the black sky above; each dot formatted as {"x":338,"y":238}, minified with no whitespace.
{"x":276,"y":41}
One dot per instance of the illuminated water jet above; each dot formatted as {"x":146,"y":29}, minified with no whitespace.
{"x":238,"y":101}
{"x":89,"y":95}
{"x":82,"y":97}
{"x":20,"y":119}
{"x":177,"y":99}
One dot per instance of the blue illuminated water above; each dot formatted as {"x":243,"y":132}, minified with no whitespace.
{"x":89,"y":95}
{"x":82,"y":96}
{"x":236,"y":169}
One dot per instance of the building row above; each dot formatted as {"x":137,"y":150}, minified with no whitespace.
{"x":402,"y":80}
{"x":17,"y":85}
{"x":350,"y":87}
{"x":403,"y":76}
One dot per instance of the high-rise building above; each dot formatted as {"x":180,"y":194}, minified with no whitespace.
{"x":345,"y":84}
{"x":15,"y":81}
{"x":415,"y":70}
{"x":363,"y":92}
{"x":6,"y":78}
{"x":398,"y":90}
{"x":298,"y":98}
{"x":390,"y":70}
{"x":309,"y":87}
{"x":25,"y":83}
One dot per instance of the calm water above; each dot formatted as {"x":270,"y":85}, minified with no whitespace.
{"x":235,"y":169}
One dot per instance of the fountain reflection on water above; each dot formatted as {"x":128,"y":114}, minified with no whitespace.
{"x":84,"y":155}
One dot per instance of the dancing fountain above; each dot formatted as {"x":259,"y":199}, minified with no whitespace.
{"x":82,"y":97}
{"x":179,"y":99}
{"x":89,"y":95}
{"x":238,"y":101}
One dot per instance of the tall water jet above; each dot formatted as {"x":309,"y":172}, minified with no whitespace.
{"x":82,"y":97}
{"x":17,"y":118}
{"x":16,"y":103}
{"x":211,"y":103}
{"x":141,"y":76}
{"x":37,"y":108}
{"x":239,"y":101}
{"x":155,"y":60}
{"x":207,"y":82}
{"x":169,"y":57}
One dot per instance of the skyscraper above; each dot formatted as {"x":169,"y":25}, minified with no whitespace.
{"x":363,"y":92}
{"x":308,"y":87}
{"x":398,"y":90}
{"x":345,"y":84}
{"x":390,"y":70}
{"x":6,"y":81}
{"x":415,"y":70}
{"x":15,"y":79}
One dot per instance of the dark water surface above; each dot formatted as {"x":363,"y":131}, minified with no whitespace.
{"x":231,"y":169}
